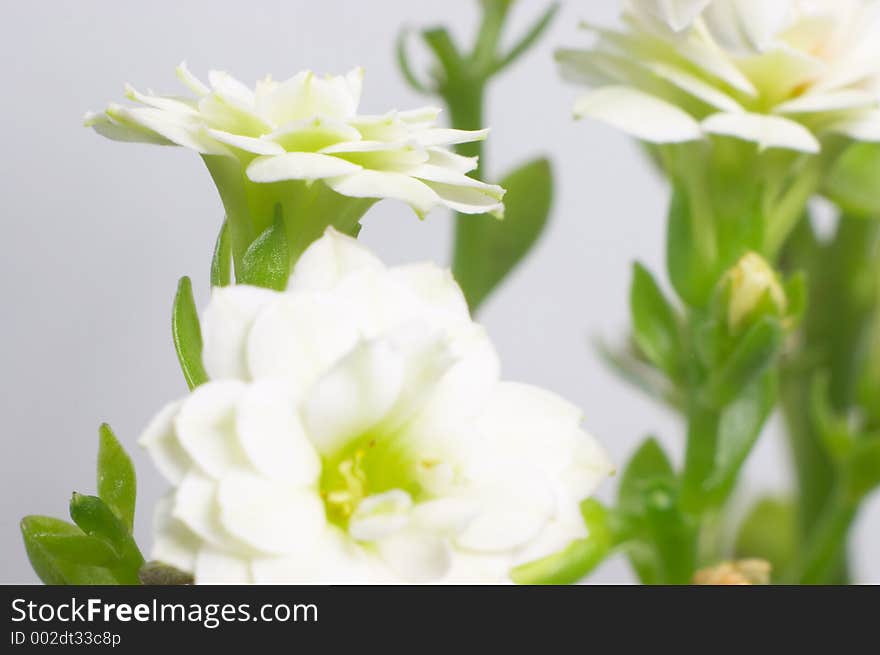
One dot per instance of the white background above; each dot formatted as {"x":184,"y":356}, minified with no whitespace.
{"x":95,"y":233}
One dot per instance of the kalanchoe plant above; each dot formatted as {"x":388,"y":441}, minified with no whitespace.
{"x":486,"y":251}
{"x":750,"y":109}
{"x":298,"y":149}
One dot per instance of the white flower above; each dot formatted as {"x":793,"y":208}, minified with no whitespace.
{"x":779,"y":73}
{"x":355,"y":430}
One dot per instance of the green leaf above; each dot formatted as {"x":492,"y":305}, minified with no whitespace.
{"x":117,"y":484}
{"x":739,"y":428}
{"x":96,"y":519}
{"x":754,"y":354}
{"x":854,"y":181}
{"x":770,"y":532}
{"x":649,"y":465}
{"x":495,"y":247}
{"x":43,"y":536}
{"x":266,"y":262}
{"x":187,"y":335}
{"x":81,"y":549}
{"x":578,"y":559}
{"x":671,"y":533}
{"x":655,"y":324}
{"x":221,"y":263}
{"x":833,"y":429}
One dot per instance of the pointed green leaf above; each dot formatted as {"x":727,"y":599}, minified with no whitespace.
{"x":81,"y":549}
{"x":754,"y":354}
{"x":187,"y":335}
{"x":655,"y":324}
{"x":117,"y":484}
{"x":267,"y":260}
{"x":38,"y":533}
{"x":221,"y":263}
{"x":96,"y":519}
{"x":739,"y":428}
{"x":647,"y":466}
{"x":493,"y":248}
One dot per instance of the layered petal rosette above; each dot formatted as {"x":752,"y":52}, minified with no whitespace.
{"x":354,"y":429}
{"x":301,"y":144}
{"x":779,"y":73}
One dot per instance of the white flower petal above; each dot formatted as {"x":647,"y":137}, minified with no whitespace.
{"x":160,"y":441}
{"x":747,"y":25}
{"x":214,"y":567}
{"x":205,"y":427}
{"x":766,"y":131}
{"x":275,"y":518}
{"x":195,"y":505}
{"x":328,"y":260}
{"x":380,"y":515}
{"x":446,"y":137}
{"x":865,"y":127}
{"x":335,"y":560}
{"x":831,"y":101}
{"x":173,"y":127}
{"x":191,"y":81}
{"x":415,"y":556}
{"x":642,"y":115}
{"x":225,"y":326}
{"x":247,"y":143}
{"x":298,"y":166}
{"x":299,"y":337}
{"x":174,"y":544}
{"x":470,"y":199}
{"x":695,"y":86}
{"x":436,"y":288}
{"x":380,"y":184}
{"x":355,"y":395}
{"x":272,"y":436}
{"x":678,"y":14}
{"x":445,"y":516}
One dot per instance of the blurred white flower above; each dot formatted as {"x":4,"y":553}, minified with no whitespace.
{"x":779,"y":73}
{"x":355,"y":430}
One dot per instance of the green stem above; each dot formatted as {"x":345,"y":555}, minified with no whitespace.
{"x":826,"y":547}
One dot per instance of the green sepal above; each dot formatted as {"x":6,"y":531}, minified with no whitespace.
{"x":117,"y":483}
{"x":656,"y":327}
{"x":50,"y":545}
{"x":187,"y":335}
{"x":266,"y":263}
{"x":577,"y":560}
{"x":221,"y":262}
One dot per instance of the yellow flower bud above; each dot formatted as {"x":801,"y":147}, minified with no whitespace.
{"x":750,"y":280}
{"x":741,"y":572}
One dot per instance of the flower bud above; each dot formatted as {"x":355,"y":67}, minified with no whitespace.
{"x":752,"y":286}
{"x":740,"y":572}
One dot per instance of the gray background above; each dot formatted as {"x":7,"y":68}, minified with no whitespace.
{"x":96,"y":234}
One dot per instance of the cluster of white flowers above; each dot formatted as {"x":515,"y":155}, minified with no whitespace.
{"x":354,"y":430}
{"x":307,"y":128}
{"x":779,"y":73}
